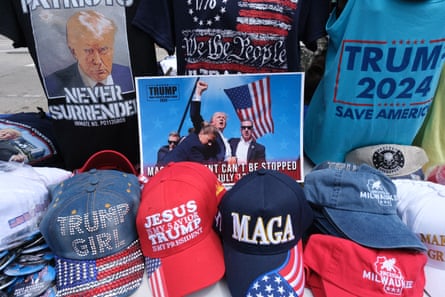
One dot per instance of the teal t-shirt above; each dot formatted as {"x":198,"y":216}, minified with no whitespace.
{"x":382,"y":67}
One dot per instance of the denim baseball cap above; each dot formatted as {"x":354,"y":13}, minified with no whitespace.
{"x":361,"y":202}
{"x":90,"y":227}
{"x":262,"y":220}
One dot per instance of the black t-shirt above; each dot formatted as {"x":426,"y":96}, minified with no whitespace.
{"x":85,"y":118}
{"x":229,"y":37}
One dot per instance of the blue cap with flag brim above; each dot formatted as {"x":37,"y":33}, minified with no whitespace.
{"x":262,"y":219}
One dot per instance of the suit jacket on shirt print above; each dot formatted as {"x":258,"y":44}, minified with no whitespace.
{"x":70,"y":78}
{"x":256,"y":151}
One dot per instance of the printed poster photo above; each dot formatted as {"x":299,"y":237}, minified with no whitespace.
{"x":233,"y":124}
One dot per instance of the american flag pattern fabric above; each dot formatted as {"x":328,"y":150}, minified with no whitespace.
{"x":155,"y":276}
{"x":116,"y":275}
{"x":286,"y":281}
{"x":268,"y":17}
{"x":253,"y":102}
{"x":246,"y":36}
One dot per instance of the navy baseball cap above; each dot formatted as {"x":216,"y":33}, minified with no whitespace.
{"x":361,"y":204}
{"x":262,"y":220}
{"x":90,"y":226}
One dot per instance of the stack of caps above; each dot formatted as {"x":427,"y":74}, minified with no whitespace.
{"x":359,"y":205}
{"x":27,"y":270}
{"x":261,"y":220}
{"x":24,"y":198}
{"x":394,"y":160}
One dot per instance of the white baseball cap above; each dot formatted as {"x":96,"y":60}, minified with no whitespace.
{"x":422,"y":207}
{"x":394,"y":160}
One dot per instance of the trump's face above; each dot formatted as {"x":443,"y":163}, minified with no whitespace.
{"x":94,"y":54}
{"x":219,"y":120}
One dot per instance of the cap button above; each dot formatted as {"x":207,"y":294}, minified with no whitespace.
{"x":90,"y":188}
{"x":93,"y":180}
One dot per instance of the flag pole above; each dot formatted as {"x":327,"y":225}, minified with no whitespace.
{"x":187,"y":107}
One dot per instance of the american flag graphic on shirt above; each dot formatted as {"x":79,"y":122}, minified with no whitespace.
{"x":254,"y":41}
{"x":268,"y":17}
{"x":253,"y":102}
{"x":286,"y":281}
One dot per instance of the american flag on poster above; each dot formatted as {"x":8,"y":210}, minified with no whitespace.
{"x":156,"y":279}
{"x":253,"y":102}
{"x":287,"y":280}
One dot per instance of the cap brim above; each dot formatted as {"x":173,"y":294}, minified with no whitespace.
{"x":321,"y":287}
{"x":108,"y":160}
{"x":194,"y":268}
{"x":120,"y":274}
{"x":374,"y":230}
{"x":416,"y":175}
{"x":242,"y":270}
{"x":434,"y":280}
{"x":414,"y":158}
{"x":34,"y":284}
{"x":323,"y":225}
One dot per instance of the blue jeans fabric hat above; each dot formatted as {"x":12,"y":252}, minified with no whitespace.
{"x":262,"y":219}
{"x":361,"y":202}
{"x":90,"y":226}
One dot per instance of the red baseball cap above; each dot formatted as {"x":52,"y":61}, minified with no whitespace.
{"x":175,"y":226}
{"x":108,"y":160}
{"x":437,"y":174}
{"x":352,"y":270}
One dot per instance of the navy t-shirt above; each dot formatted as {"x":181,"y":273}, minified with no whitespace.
{"x":227,"y":37}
